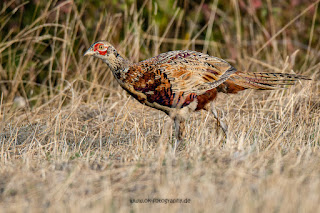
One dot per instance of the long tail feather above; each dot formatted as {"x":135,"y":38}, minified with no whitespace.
{"x":267,"y":81}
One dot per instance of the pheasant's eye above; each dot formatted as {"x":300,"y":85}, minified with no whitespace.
{"x":101,"y":47}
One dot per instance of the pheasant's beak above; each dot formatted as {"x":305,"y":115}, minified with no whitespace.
{"x":89,"y":52}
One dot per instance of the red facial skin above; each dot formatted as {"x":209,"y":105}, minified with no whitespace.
{"x":101,"y":52}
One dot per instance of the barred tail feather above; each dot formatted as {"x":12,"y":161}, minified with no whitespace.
{"x":265,"y":81}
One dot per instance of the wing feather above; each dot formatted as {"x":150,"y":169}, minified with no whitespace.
{"x":192,"y":72}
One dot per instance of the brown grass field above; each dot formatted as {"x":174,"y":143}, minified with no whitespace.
{"x":71,"y":140}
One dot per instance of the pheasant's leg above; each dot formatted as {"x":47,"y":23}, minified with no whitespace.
{"x":224,"y":126}
{"x":176,"y":126}
{"x":182,"y":130}
{"x":179,"y":129}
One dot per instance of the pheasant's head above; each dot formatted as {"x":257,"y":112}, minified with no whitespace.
{"x":105,"y":51}
{"x":102,"y":50}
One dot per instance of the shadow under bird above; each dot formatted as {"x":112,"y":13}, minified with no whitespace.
{"x":183,"y":81}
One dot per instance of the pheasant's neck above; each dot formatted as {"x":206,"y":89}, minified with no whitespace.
{"x":117,"y":64}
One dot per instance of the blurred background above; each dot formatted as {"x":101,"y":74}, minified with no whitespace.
{"x":42,"y":42}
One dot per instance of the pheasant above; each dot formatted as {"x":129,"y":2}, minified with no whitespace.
{"x":181,"y":82}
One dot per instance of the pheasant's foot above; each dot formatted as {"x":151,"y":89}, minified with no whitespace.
{"x":220,"y":123}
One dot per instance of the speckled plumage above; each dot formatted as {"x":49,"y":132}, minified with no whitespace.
{"x":180,"y":82}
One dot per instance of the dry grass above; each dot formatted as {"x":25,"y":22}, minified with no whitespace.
{"x":81,"y":144}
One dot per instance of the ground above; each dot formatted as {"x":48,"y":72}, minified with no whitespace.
{"x":103,"y":155}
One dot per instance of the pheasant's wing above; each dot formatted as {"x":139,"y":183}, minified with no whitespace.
{"x":192,"y":72}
